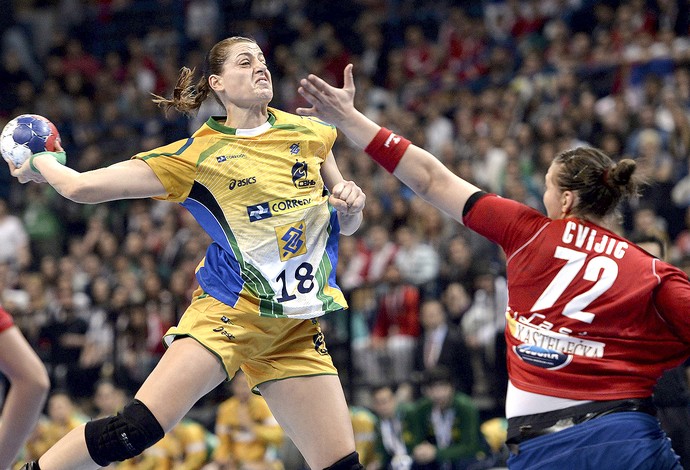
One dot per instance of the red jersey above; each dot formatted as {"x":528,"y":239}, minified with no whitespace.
{"x":590,"y":315}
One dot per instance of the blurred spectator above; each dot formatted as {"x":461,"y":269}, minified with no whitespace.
{"x":442,"y":344}
{"x":42,"y":222}
{"x":200,"y":17}
{"x":419,"y":55}
{"x":681,"y":247}
{"x":445,"y":426}
{"x":64,"y":337}
{"x":14,"y":249}
{"x":382,"y":252}
{"x":483,"y":328}
{"x":416,"y":260}
{"x":77,"y":60}
{"x":108,"y":399}
{"x":396,"y":326}
{"x":13,"y":75}
{"x":457,"y":263}
{"x":646,"y":223}
{"x":364,"y":425}
{"x":195,"y":445}
{"x":353,"y":260}
{"x":62,"y":417}
{"x":456,"y":301}
{"x":96,"y":357}
{"x":249,"y":434}
{"x":135,"y":360}
{"x":373,"y":56}
{"x":392,"y":429}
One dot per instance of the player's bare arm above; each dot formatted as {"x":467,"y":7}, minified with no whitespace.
{"x":347,"y":198}
{"x":418,"y":169}
{"x":130,"y":179}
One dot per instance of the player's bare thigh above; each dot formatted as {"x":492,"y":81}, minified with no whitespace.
{"x":186,"y":372}
{"x":313,"y":412}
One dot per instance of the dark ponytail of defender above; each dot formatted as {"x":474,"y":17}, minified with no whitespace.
{"x":601,"y":183}
{"x":187,"y":95}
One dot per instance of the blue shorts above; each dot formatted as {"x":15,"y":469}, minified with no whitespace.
{"x":619,"y":441}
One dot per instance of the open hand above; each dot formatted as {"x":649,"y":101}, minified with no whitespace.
{"x":328,"y":103}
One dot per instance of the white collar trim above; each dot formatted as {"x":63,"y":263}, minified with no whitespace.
{"x":254,"y":131}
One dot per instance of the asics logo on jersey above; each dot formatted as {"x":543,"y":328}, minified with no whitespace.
{"x":241,"y":182}
{"x":259,"y":212}
{"x":299,"y":176}
{"x":221,"y":330}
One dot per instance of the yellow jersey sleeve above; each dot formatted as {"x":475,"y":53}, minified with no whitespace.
{"x":175,"y":166}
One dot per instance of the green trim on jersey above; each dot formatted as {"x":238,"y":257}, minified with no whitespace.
{"x":210,"y":151}
{"x":294,"y":127}
{"x":187,"y":143}
{"x":322,"y":274}
{"x":267,"y":307}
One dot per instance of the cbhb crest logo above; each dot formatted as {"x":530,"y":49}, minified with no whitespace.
{"x":300,"y":174}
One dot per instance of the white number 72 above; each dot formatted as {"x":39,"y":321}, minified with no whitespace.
{"x":601,"y":269}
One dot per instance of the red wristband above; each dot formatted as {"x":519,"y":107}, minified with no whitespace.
{"x":387,"y":148}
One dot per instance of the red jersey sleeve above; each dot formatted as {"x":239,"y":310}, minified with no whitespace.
{"x":672,"y":298}
{"x":508,"y":223}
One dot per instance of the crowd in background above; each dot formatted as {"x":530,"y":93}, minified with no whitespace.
{"x":493,"y":88}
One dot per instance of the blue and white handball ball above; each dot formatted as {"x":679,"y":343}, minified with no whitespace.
{"x":25,"y":135}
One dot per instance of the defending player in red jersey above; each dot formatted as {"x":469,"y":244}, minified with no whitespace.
{"x":592,"y":320}
{"x":29,"y":385}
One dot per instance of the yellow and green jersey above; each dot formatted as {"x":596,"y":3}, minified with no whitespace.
{"x":259,"y":194}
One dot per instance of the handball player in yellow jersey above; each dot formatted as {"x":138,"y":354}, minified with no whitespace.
{"x":265,"y":186}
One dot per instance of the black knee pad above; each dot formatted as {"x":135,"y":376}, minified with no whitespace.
{"x":349,"y":462}
{"x":123,"y":436}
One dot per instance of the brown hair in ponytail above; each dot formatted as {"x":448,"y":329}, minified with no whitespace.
{"x":187,"y":96}
{"x":601,"y":183}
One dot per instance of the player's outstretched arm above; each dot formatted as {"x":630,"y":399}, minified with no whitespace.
{"x":417,"y":168}
{"x":130,"y":179}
